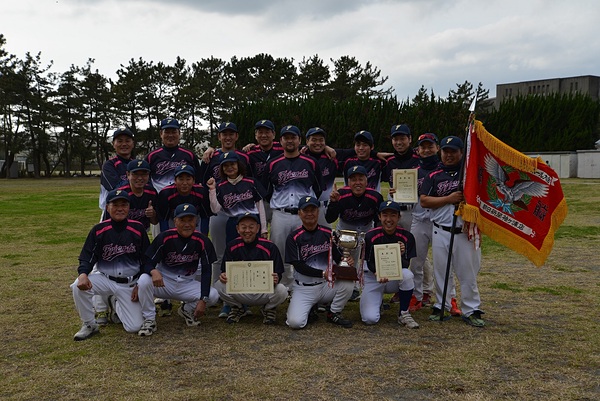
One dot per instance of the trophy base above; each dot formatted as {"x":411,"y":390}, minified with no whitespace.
{"x":345,"y":273}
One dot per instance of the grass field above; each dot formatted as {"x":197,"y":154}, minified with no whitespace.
{"x":542,"y":339}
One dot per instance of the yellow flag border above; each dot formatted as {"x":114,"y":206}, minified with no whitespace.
{"x":500,"y":234}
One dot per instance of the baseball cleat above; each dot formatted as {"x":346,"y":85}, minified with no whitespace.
{"x":164,"y":307}
{"x":86,"y":331}
{"x":337,"y":318}
{"x":189,"y":318}
{"x":148,"y":328}
{"x":415,"y":304}
{"x":474,"y":319}
{"x":269,"y":315}
{"x":407,"y":320}
{"x":235,"y":314}
{"x":426,"y":301}
{"x":102,"y":318}
{"x":454,"y":310}
{"x":435,"y":315}
{"x":225,"y":311}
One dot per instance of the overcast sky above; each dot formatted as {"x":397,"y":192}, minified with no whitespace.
{"x":435,"y":43}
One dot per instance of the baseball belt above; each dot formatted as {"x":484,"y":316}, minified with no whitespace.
{"x":456,"y":230}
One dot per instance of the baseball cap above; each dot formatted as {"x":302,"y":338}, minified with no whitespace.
{"x":185,"y":169}
{"x":169,"y":123}
{"x":452,"y":142}
{"x":356,"y":170}
{"x":389,"y":205}
{"x":117,"y":194}
{"x":138,"y":165}
{"x":248,"y":215}
{"x":228,"y":157}
{"x":227,"y":126}
{"x":265,"y":124}
{"x":185,"y":209}
{"x":290,"y":129}
{"x":364,"y":136}
{"x":315,"y":130}
{"x":428,"y":137}
{"x":308,"y":201}
{"x":400,"y":129}
{"x":122,"y":131}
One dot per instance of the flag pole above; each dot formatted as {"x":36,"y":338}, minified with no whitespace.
{"x":455,"y":216}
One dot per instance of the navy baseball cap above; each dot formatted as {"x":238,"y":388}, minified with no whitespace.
{"x":389,"y":205}
{"x":185,"y":209}
{"x":315,"y":130}
{"x":228,"y":157}
{"x":290,"y":129}
{"x":364,"y":136}
{"x":227,"y":126}
{"x":138,"y":165}
{"x":428,"y":137}
{"x":306,"y":201}
{"x":248,"y":215}
{"x":452,"y":142}
{"x":356,"y":170}
{"x":117,"y":194}
{"x":122,"y":131}
{"x":400,"y":129}
{"x":265,"y":124}
{"x":185,"y":169}
{"x":169,"y":123}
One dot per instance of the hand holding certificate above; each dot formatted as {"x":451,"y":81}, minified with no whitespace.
{"x":250,"y":277}
{"x":405,"y":183}
{"x":388,"y":261}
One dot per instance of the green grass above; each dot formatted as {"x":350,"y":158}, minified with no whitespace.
{"x":539,"y":342}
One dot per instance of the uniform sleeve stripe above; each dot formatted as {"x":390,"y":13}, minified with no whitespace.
{"x":133,"y":230}
{"x":268,"y":252}
{"x":298,"y":234}
{"x":103,"y":229}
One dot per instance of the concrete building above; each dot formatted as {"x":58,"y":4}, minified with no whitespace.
{"x":584,"y":84}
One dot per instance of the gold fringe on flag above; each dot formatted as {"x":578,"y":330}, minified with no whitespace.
{"x":504,"y":152}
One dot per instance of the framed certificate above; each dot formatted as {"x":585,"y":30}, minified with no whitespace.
{"x":388,"y":261}
{"x":249,"y":277}
{"x":405,"y":183}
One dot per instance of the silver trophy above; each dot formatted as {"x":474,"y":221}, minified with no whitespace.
{"x":347,"y":242}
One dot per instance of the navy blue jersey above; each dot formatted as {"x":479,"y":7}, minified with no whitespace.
{"x":169,"y":198}
{"x":163,"y":162}
{"x":139,"y":204}
{"x":292,"y":178}
{"x":179,"y":258}
{"x":308,"y":251}
{"x":117,"y":248}
{"x":397,"y":161}
{"x":377,"y":236}
{"x":355,"y":210}
{"x":212,"y":168}
{"x":374,"y":167}
{"x":442,"y":182}
{"x":239,"y":198}
{"x":113,"y":176}
{"x":329,"y":169}
{"x":425,"y":167}
{"x":259,"y":249}
{"x":260,"y":159}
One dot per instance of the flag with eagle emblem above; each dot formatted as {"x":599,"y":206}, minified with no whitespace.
{"x":514,"y":199}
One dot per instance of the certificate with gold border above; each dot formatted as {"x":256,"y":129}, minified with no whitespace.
{"x":405,"y":183}
{"x":388,"y":261}
{"x":250,"y":277}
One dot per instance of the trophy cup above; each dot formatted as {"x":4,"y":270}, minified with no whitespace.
{"x":347,"y":241}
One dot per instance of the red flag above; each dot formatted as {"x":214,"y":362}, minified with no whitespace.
{"x":514,"y":199}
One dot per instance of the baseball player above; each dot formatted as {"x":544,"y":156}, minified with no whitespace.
{"x":441,"y":192}
{"x":363,"y":147}
{"x":174,"y":259}
{"x":114,"y":175}
{"x":249,"y":246}
{"x":308,"y":249}
{"x":264,"y":151}
{"x":315,"y":142}
{"x":117,"y":246}
{"x":183,"y":191}
{"x":374,"y":287}
{"x":421,"y":228}
{"x":114,"y":170}
{"x":142,"y":195}
{"x":292,"y":176}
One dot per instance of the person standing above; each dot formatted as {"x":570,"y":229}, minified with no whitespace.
{"x":441,"y":192}
{"x":308,"y":249}
{"x":250,"y":246}
{"x":114,"y":170}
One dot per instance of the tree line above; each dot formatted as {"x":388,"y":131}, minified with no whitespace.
{"x":63,"y":121}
